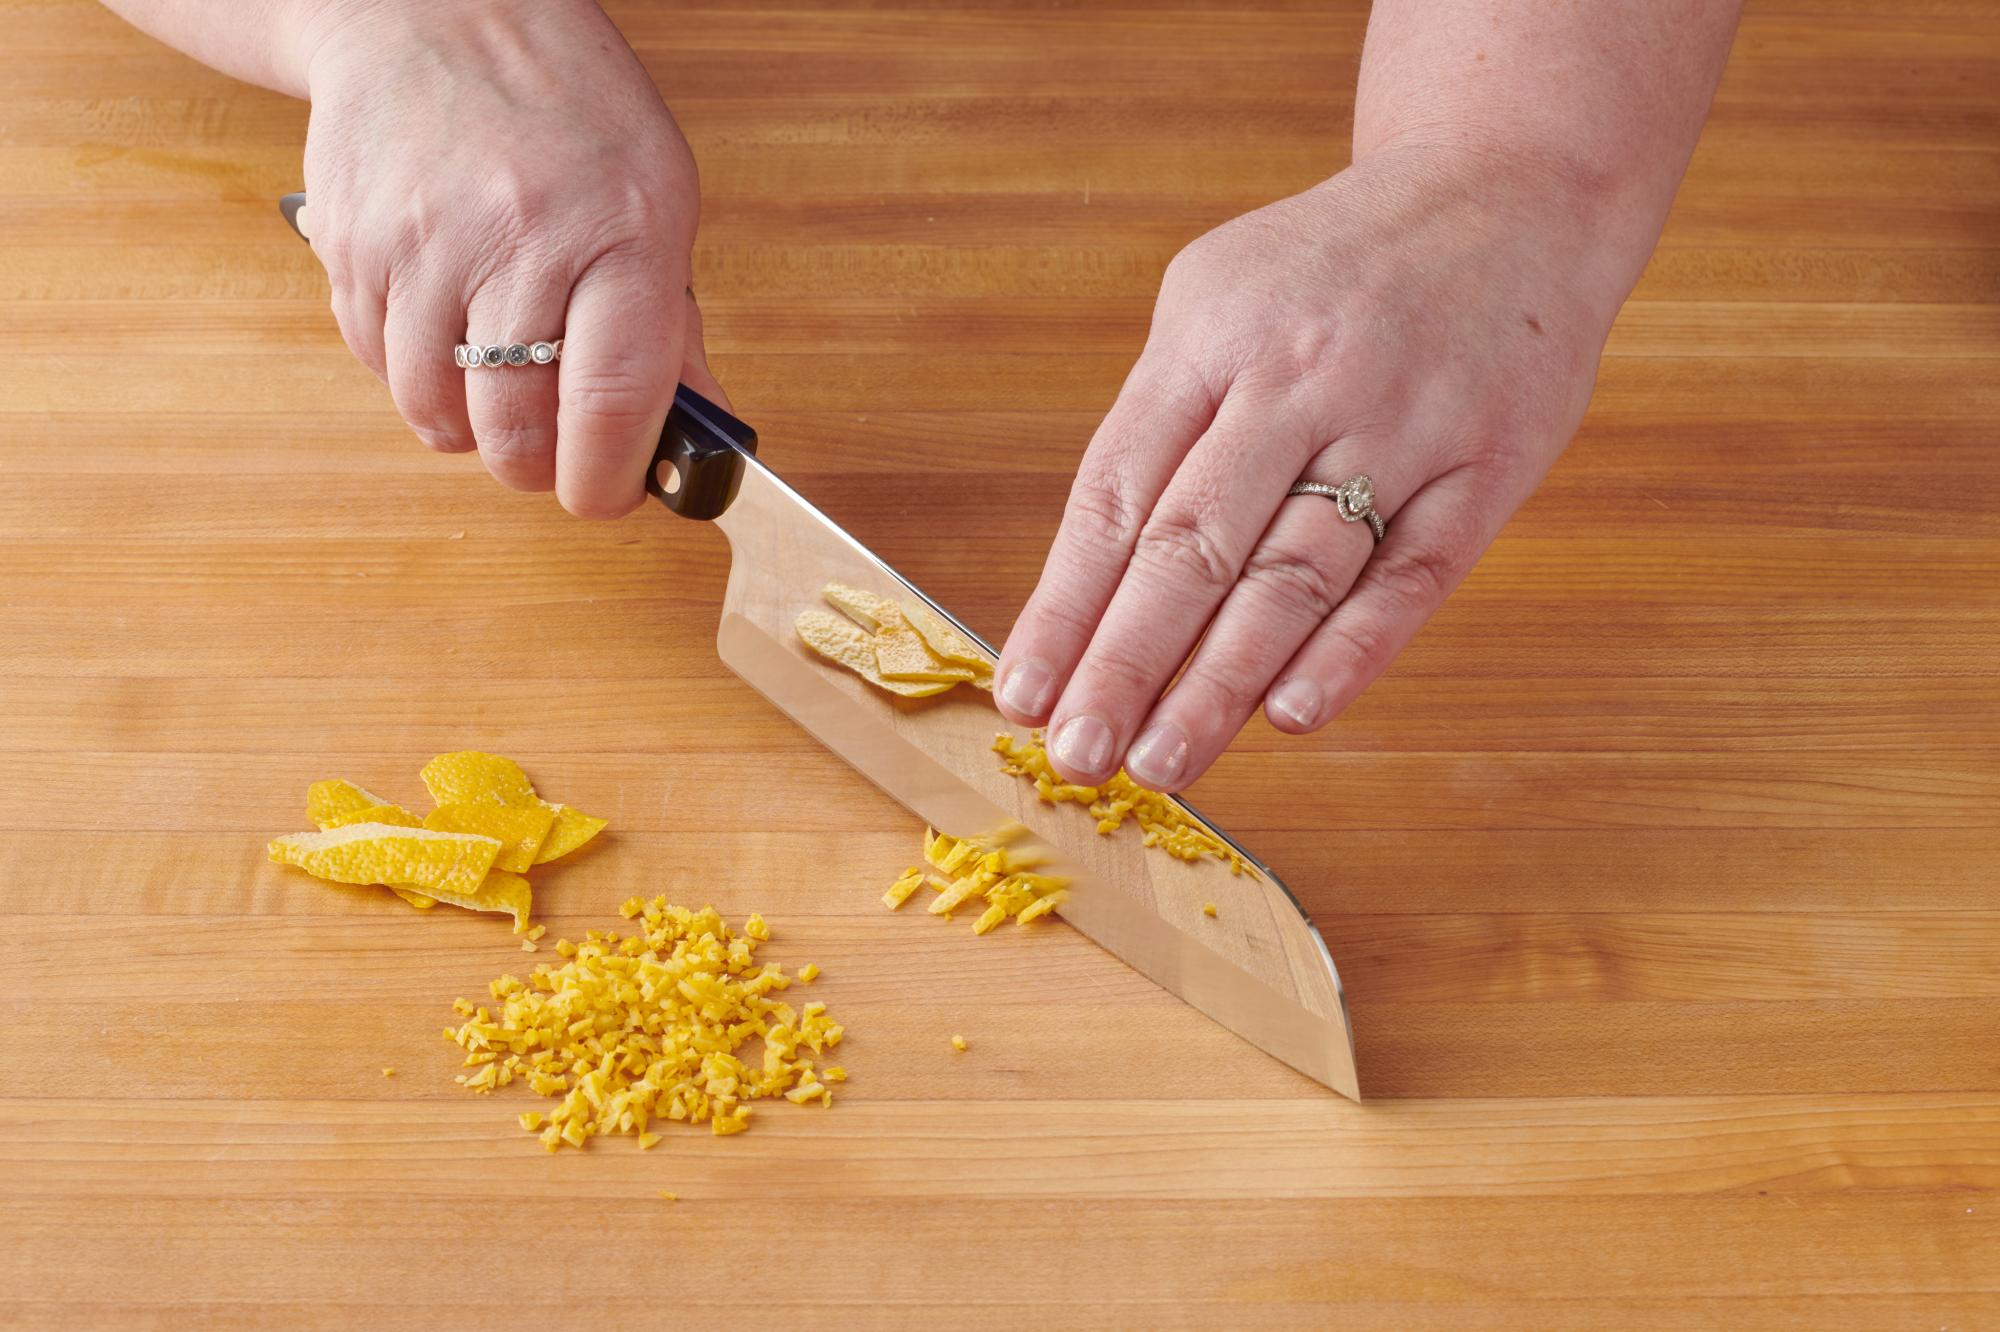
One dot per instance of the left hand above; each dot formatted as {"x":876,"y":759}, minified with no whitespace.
{"x":1431,"y":318}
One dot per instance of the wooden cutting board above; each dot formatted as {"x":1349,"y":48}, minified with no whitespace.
{"x":1662,"y":871}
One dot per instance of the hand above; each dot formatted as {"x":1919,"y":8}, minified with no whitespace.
{"x":1431,"y":319}
{"x":508,"y":173}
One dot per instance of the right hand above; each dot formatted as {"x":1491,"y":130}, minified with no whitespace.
{"x":508,"y":173}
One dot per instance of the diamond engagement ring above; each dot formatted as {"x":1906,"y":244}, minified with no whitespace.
{"x":1354,"y":498}
{"x":472,"y":355}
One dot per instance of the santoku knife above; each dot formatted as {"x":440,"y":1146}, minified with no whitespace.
{"x":1258,"y":966}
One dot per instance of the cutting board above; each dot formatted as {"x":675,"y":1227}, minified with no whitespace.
{"x":1661,"y":870}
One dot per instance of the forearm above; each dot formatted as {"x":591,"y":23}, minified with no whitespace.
{"x":266,"y":42}
{"x":1599,"y":100}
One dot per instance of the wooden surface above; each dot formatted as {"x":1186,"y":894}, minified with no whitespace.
{"x":1663,"y":871}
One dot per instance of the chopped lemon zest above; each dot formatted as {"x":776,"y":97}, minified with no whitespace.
{"x":633,"y":1031}
{"x":670,"y":1197}
{"x":1162,"y":820}
{"x":809,"y":972}
{"x":1208,"y":908}
{"x":1042,"y":906}
{"x":958,"y":1042}
{"x":388,"y":1072}
{"x":899,"y":891}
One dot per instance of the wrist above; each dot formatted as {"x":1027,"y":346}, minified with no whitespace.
{"x":324,"y":33}
{"x":1598,"y":220}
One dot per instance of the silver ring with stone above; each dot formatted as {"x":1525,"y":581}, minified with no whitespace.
{"x":1353,"y":499}
{"x":499,"y":355}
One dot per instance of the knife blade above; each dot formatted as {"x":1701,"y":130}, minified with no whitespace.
{"x":1259,"y":966}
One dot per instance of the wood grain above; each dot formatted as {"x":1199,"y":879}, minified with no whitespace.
{"x":1661,"y":870}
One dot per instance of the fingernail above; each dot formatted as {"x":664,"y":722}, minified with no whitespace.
{"x":1159,"y":756}
{"x":1300,"y":700}
{"x":1026,"y":688}
{"x":1083,"y":746}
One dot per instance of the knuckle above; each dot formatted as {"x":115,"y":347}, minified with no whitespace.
{"x":1311,"y":349}
{"x":1061,"y":608}
{"x":421,"y":401}
{"x":516,"y":442}
{"x":1184,"y":548}
{"x":1100,"y":510}
{"x":610,"y":400}
{"x":1296,"y":584}
{"x":1365,"y":645}
{"x":1417,"y":578}
{"x":1120,"y":673}
{"x":1228,"y":687}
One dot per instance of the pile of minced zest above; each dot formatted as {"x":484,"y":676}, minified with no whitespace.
{"x":631,"y":1031}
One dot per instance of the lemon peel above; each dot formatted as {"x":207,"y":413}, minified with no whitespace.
{"x":874,"y":614}
{"x":433,"y":863}
{"x":907,"y":649}
{"x":333,"y":803}
{"x":394,"y":815}
{"x":471,"y":776}
{"x":521,"y":830}
{"x":847,"y":644}
{"x":470,"y":851}
{"x":571,"y":830}
{"x":944,"y":640}
{"x":905,"y":656}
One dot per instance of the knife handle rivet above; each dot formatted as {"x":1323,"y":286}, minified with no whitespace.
{"x":669,"y":477}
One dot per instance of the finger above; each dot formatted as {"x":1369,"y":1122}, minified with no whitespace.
{"x":1188,"y":556}
{"x":1156,"y":419}
{"x":513,"y":408}
{"x":1430,"y":547}
{"x":361,"y":308}
{"x":621,"y":352}
{"x":1301,"y":568}
{"x":694,"y":359}
{"x":360,"y":296}
{"x":424,"y":323}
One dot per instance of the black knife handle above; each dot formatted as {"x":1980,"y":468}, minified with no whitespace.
{"x":699,"y":463}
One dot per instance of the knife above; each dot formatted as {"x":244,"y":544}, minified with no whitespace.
{"x":1258,"y":966}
